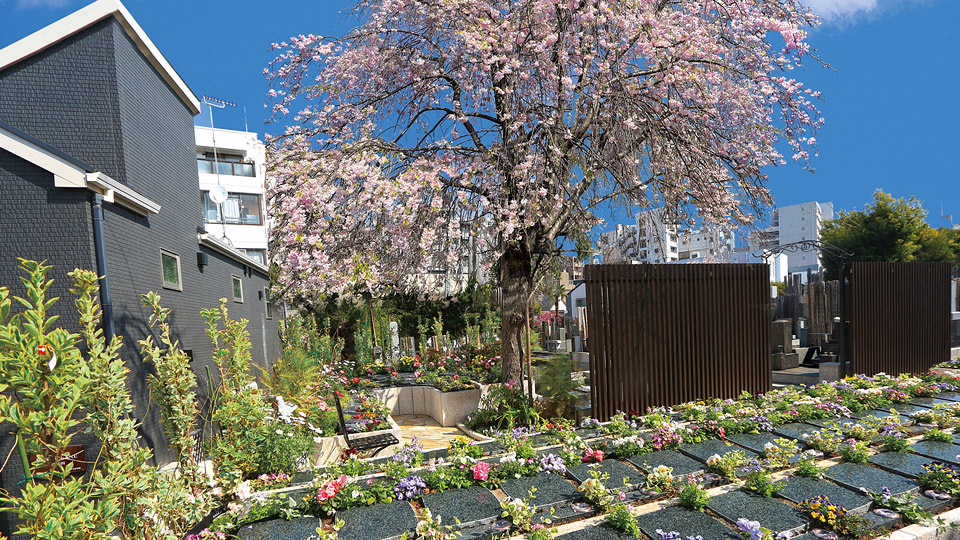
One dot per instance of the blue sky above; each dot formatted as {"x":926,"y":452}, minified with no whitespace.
{"x":891,"y":118}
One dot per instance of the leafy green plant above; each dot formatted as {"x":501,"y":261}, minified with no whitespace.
{"x":693,"y":496}
{"x":727,"y":464}
{"x":238,"y":408}
{"x":555,"y":382}
{"x":807,"y":467}
{"x":505,"y":407}
{"x":520,"y":511}
{"x":902,"y":504}
{"x":760,"y":483}
{"x":280,"y":448}
{"x":172,"y":385}
{"x":51,"y":391}
{"x":894,"y":442}
{"x":620,"y":518}
{"x":937,"y":435}
{"x":855,"y":451}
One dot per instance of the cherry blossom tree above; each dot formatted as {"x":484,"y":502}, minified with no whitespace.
{"x":509,"y":123}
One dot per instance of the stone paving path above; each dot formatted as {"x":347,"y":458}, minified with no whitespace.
{"x":430,"y":433}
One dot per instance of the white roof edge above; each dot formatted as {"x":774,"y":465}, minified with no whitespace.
{"x":88,"y":16}
{"x":212,"y":242}
{"x":72,"y":175}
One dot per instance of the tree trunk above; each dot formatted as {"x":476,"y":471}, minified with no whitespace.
{"x":515,"y":282}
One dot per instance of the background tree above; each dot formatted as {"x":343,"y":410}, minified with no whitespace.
{"x":888,"y":230}
{"x":434,"y":126}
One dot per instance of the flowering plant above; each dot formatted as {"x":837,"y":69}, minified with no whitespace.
{"x":903,"y":504}
{"x":660,"y":478}
{"x":519,"y":511}
{"x":481,"y":471}
{"x":329,"y":489}
{"x":835,"y":517}
{"x":552,"y":463}
{"x":727,"y":464}
{"x":428,"y":527}
{"x":410,"y":487}
{"x":855,"y":451}
{"x":592,"y":455}
{"x":693,"y":496}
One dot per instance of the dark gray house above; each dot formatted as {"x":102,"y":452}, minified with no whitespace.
{"x":98,"y":170}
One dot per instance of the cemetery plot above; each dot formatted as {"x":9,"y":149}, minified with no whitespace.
{"x":903,"y":463}
{"x":469,"y":505}
{"x":798,"y":489}
{"x":377,"y":522}
{"x":703,"y":450}
{"x":771,"y":513}
{"x":942,"y":451}
{"x":855,"y":476}
{"x":686,"y":522}
{"x":551,"y":489}
{"x":681,"y":464}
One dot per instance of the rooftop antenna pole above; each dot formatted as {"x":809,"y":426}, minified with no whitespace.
{"x":220,"y":104}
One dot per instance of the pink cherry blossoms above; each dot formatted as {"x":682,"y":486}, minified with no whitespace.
{"x":432,"y":125}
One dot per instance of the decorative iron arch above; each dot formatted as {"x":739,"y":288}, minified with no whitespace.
{"x":810,"y":245}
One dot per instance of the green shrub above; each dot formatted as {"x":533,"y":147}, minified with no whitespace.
{"x":693,"y":496}
{"x":281,"y":448}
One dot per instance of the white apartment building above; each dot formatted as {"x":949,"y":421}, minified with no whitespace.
{"x":654,"y":239}
{"x":708,"y":241}
{"x":234,"y":160}
{"x":790,"y":224}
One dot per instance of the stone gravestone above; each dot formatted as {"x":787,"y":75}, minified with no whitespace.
{"x":781,"y":344}
{"x":394,"y":340}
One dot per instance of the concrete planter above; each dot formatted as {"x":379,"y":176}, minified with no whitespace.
{"x":328,"y":450}
{"x":447,"y":408}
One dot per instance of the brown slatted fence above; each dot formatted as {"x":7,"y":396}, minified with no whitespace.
{"x":900,"y":316}
{"x":663,"y":334}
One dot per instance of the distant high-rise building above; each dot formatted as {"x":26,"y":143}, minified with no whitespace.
{"x":790,"y":224}
{"x":656,"y":238}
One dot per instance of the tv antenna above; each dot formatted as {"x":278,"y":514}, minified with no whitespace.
{"x":219,"y":194}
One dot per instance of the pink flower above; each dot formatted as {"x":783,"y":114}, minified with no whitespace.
{"x":481,"y":471}
{"x":592,"y":455}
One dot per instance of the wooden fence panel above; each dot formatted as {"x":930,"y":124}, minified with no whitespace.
{"x":900,"y":316}
{"x":669,"y":333}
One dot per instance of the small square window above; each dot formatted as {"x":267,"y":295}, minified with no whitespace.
{"x":270,"y":308}
{"x":237,"y":289}
{"x":170,"y":270}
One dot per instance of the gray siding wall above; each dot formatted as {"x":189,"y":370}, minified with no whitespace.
{"x":94,"y":96}
{"x":38,"y":221}
{"x":66,"y":96}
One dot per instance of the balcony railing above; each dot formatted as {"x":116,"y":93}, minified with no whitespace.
{"x":229,"y":168}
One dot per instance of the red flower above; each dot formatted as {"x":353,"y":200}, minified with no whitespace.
{"x":356,"y":380}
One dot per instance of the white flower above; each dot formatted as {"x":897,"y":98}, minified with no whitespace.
{"x":279,"y":432}
{"x":318,"y":440}
{"x":713,"y":460}
{"x":285,"y":409}
{"x":355,"y":494}
{"x":509,"y":458}
{"x":53,"y":360}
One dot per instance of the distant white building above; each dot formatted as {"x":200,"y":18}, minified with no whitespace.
{"x":234,"y":160}
{"x":705,"y":242}
{"x":652,"y":239}
{"x":791,"y":224}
